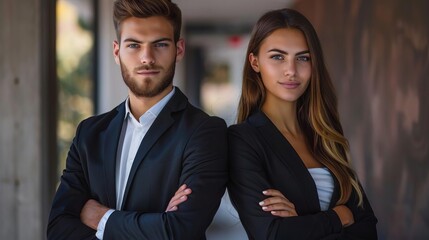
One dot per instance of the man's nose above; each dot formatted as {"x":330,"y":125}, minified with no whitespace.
{"x":147,"y":56}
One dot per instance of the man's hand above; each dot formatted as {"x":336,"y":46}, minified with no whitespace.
{"x":92,"y":212}
{"x":180,"y":196}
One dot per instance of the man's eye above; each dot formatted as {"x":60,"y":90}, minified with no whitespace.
{"x":133,"y":45}
{"x":303,"y":58}
{"x":160,"y":45}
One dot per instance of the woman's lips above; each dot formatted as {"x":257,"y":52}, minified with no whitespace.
{"x":290,"y":85}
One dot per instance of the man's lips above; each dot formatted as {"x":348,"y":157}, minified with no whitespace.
{"x":147,"y":72}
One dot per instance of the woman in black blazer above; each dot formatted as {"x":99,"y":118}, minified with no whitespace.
{"x":290,"y":171}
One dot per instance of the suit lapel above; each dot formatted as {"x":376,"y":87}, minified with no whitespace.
{"x":289,"y":157}
{"x":336,"y":193}
{"x":159,"y":126}
{"x":111,"y":139}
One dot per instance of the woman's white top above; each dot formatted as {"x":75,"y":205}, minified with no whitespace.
{"x":324,"y":184}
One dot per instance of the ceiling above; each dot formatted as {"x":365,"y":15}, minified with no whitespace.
{"x":227,"y":11}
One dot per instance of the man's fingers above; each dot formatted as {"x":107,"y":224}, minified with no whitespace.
{"x":180,"y":194}
{"x":179,"y":197}
{"x":172,"y":206}
{"x":178,"y":201}
{"x":172,"y":209}
{"x":181,"y":188}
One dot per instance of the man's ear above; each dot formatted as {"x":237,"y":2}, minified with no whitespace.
{"x":254,"y":62}
{"x":116,"y":51}
{"x":180,"y":49}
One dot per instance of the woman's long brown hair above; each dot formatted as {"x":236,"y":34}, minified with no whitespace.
{"x":317,"y":111}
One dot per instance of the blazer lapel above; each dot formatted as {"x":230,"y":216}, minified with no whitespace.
{"x":111,"y":139}
{"x":289,"y":157}
{"x":160,"y":125}
{"x":336,"y":194}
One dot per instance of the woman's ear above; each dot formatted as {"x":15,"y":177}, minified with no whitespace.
{"x":254,"y":62}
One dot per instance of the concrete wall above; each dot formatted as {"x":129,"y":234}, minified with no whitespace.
{"x":378,"y":54}
{"x":23,"y":91}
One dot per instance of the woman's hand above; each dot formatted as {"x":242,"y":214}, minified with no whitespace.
{"x":345,"y":215}
{"x":180,"y":196}
{"x":277,"y":204}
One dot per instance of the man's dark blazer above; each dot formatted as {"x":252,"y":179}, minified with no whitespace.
{"x":183,"y":146}
{"x":261,"y":158}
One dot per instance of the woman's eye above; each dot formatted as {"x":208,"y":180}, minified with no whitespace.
{"x":303,"y":58}
{"x":277,"y":57}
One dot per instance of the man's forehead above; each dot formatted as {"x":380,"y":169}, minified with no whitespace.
{"x":152,"y":27}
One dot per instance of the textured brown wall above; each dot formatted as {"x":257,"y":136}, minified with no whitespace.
{"x":378,"y":56}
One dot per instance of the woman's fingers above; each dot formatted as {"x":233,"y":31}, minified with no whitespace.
{"x":273,"y":192}
{"x":276,"y":200}
{"x":284,"y":213}
{"x":277,"y":207}
{"x":277,"y":204}
{"x":280,"y":209}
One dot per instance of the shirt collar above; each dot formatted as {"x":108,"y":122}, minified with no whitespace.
{"x":155,"y":109}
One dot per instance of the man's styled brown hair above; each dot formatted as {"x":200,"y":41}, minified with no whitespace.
{"x":123,"y":9}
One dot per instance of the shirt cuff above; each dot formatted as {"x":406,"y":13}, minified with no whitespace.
{"x":102,"y":224}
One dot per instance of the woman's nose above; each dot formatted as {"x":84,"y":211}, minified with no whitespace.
{"x":290,"y":68}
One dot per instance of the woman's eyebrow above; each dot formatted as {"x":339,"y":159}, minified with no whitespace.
{"x":286,"y":53}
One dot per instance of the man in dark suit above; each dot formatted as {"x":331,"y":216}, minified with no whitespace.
{"x":128,"y":170}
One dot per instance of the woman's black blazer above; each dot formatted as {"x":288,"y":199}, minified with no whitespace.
{"x":261,"y":158}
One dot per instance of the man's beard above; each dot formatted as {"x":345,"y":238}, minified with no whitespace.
{"x":150,"y":87}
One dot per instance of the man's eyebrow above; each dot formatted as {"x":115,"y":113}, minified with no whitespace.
{"x":163,"y":40}
{"x":284,"y":52}
{"x":132,"y":40}
{"x":156,"y":41}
